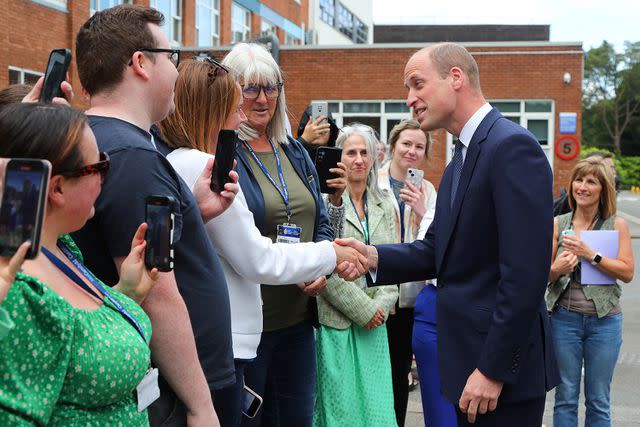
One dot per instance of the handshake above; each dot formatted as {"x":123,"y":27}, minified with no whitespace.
{"x":354,"y":258}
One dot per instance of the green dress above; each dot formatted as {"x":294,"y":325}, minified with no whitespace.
{"x":65,"y":366}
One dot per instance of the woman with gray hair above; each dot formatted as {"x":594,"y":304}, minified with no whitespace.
{"x":281,"y":189}
{"x":354,"y":369}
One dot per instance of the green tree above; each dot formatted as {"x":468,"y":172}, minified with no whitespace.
{"x":611,"y":93}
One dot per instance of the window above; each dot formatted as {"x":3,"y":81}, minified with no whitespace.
{"x":380,"y":115}
{"x":291,"y":40}
{"x":240,"y":23}
{"x":56,"y":4}
{"x":345,"y":21}
{"x":267,"y":28}
{"x":537,"y":116}
{"x":172,"y":11}
{"x":97,"y":5}
{"x":208,"y":22}
{"x":328,"y":11}
{"x":22,"y":76}
{"x":361,"y":31}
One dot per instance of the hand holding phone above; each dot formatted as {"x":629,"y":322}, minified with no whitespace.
{"x":414,"y":176}
{"x":56,"y":72}
{"x":159,"y":236}
{"x":327,"y":158}
{"x":24,"y":197}
{"x":319,"y":108}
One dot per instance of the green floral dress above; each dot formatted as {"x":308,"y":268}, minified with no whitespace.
{"x":64,"y":366}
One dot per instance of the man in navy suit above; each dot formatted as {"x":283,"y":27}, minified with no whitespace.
{"x":489,"y":246}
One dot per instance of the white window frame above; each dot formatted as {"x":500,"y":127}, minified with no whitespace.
{"x":290,"y":40}
{"x":214,"y":15}
{"x":383,"y":115}
{"x":267,"y":27}
{"x":245,"y":25}
{"x":548,"y":148}
{"x":24,"y":71}
{"x":55,"y":4}
{"x":105,"y":4}
{"x":171,"y":19}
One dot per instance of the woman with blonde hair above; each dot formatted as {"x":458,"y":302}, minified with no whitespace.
{"x":586,"y":317}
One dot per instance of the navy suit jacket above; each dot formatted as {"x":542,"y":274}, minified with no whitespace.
{"x":491,"y":253}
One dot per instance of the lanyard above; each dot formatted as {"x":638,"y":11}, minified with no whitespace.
{"x":94,"y":281}
{"x":284,"y":193}
{"x":365,"y":226}
{"x":400,"y":208}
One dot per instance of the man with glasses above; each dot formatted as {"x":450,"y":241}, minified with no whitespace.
{"x":129,"y":71}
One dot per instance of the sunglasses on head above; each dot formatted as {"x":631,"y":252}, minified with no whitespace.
{"x":215,"y":68}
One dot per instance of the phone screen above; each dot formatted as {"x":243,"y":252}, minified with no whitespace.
{"x":21,"y":206}
{"x":225,"y":153}
{"x":158,"y":237}
{"x":55,"y":75}
{"x":250,"y":402}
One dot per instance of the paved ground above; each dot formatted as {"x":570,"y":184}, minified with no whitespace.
{"x":625,"y":390}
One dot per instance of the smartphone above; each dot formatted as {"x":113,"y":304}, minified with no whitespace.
{"x":251,"y":402}
{"x":59,"y":61}
{"x":327,"y":158}
{"x":225,"y":153}
{"x":159,"y":218}
{"x":414,"y":176}
{"x":319,"y":108}
{"x":568,"y":233}
{"x":24,"y":200}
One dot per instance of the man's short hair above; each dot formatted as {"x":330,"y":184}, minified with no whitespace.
{"x":445,"y":56}
{"x":107,"y":40}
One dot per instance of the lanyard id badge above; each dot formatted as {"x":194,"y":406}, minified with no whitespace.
{"x":288,"y":233}
{"x":148,"y":390}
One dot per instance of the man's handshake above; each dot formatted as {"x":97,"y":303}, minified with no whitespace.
{"x":354,"y":258}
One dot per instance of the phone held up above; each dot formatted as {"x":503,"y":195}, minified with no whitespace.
{"x":24,"y":200}
{"x":225,"y":153}
{"x":414,"y":176}
{"x":56,"y":72}
{"x":327,"y":158}
{"x":319,"y":108}
{"x":251,"y":402}
{"x":159,"y":218}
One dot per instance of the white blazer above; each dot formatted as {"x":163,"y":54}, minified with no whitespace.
{"x":249,"y":258}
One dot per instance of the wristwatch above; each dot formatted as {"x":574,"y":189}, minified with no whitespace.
{"x":596,"y":259}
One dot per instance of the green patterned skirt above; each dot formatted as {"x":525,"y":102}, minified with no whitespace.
{"x":354,"y":378}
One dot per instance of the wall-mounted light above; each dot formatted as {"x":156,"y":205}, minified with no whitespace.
{"x":566,"y":78}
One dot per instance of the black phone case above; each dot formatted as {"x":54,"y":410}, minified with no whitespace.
{"x":51,"y":86}
{"x":225,"y":153}
{"x":44,"y":168}
{"x":164,"y":201}
{"x":327,"y":158}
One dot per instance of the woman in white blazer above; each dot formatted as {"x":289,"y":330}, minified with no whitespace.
{"x":207,"y":99}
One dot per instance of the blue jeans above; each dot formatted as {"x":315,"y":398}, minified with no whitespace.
{"x":597,"y":342}
{"x":284,"y":374}
{"x":228,"y":401}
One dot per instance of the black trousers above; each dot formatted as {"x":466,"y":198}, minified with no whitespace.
{"x":399,"y":333}
{"x":521,"y":414}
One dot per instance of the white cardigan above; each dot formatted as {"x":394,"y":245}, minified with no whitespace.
{"x":248,"y":258}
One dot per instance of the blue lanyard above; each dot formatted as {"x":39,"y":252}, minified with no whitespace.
{"x":94,"y":281}
{"x":401,"y":208}
{"x":284,"y":193}
{"x":365,"y":226}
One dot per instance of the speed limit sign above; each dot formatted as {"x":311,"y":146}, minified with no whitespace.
{"x":567,"y":147}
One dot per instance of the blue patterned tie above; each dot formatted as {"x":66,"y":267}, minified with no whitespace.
{"x":456,"y":163}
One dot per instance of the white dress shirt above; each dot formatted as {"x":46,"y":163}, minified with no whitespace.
{"x":471,"y":126}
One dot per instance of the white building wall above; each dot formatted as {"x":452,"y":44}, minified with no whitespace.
{"x":325,"y":34}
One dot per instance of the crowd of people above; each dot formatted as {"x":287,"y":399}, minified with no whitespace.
{"x":315,"y":302}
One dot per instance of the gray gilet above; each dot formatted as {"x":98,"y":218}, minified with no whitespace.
{"x":604,"y":297}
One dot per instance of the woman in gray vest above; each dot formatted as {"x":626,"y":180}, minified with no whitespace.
{"x":587,"y":318}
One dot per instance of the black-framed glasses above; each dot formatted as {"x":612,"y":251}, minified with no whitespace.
{"x":252,"y":91}
{"x":215,"y":68}
{"x":102,"y":167}
{"x":174,"y":54}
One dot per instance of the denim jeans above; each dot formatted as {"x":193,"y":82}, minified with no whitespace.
{"x":228,"y":401}
{"x":597,"y":342}
{"x":284,"y":374}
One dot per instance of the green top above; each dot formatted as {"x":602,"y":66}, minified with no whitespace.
{"x":65,"y":366}
{"x":604,"y":297}
{"x":284,"y":306}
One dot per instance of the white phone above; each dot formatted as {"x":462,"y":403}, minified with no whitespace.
{"x":319,"y":108}
{"x":414,"y":176}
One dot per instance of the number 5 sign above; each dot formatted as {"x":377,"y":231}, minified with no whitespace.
{"x":567,"y":147}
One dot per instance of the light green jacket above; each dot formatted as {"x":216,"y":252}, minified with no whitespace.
{"x":344,"y":303}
